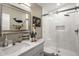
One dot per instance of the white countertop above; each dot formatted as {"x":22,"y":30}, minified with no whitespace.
{"x":19,"y":48}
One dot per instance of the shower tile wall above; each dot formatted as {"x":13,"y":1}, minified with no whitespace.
{"x":65,"y":39}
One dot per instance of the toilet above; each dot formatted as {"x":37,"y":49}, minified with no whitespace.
{"x":48,"y":51}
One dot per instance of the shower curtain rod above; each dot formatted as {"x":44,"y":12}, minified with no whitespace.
{"x":74,"y":8}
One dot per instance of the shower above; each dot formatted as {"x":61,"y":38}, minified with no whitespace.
{"x":65,"y":41}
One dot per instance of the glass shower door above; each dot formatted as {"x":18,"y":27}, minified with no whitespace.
{"x":76,"y":30}
{"x":65,"y":35}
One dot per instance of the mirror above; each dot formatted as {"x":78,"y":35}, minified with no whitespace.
{"x":14,"y":18}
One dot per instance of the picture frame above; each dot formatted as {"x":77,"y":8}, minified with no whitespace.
{"x":37,"y":21}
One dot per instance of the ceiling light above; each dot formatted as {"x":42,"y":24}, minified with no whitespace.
{"x":58,"y":4}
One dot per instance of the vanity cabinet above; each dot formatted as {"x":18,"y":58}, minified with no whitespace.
{"x":36,"y":51}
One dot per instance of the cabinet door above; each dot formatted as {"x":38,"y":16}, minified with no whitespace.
{"x":40,"y":54}
{"x":34,"y":51}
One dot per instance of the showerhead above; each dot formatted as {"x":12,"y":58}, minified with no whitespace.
{"x":45,"y":14}
{"x":66,"y":15}
{"x":71,"y":13}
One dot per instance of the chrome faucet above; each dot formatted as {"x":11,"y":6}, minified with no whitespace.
{"x":13,"y":42}
{"x":3,"y":41}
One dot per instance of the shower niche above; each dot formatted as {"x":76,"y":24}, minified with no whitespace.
{"x":60,"y":27}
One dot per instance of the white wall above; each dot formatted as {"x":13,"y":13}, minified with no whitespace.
{"x":65,"y":39}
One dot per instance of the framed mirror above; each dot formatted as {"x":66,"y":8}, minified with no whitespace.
{"x":14,"y":18}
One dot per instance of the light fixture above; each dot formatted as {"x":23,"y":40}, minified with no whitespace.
{"x":27,"y":16}
{"x":58,"y":4}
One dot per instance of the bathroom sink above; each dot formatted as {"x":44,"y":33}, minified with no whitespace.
{"x":13,"y":49}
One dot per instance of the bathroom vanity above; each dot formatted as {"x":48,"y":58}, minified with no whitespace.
{"x":36,"y":49}
{"x":25,"y":48}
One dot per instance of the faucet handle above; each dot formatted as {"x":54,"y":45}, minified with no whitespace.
{"x":13,"y":43}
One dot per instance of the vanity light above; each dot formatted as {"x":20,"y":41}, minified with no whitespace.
{"x":27,"y":16}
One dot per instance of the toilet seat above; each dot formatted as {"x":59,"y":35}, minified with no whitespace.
{"x":48,"y":51}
